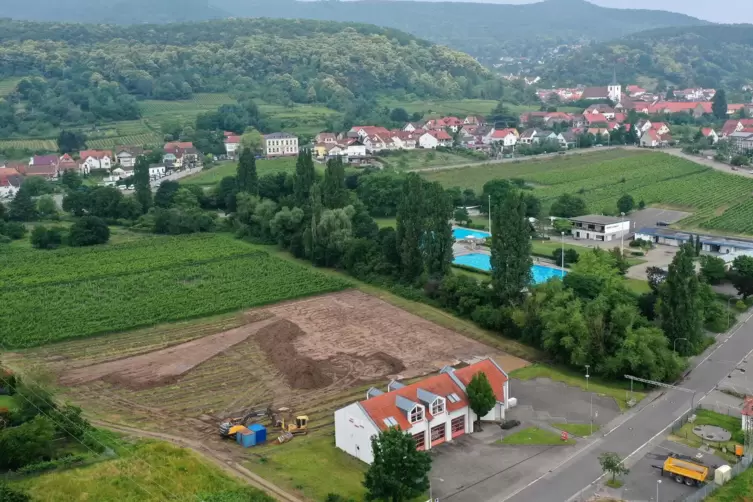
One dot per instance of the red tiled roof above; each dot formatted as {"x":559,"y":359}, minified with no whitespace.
{"x":97,"y":154}
{"x":233,"y":139}
{"x":43,"y":170}
{"x":595,"y":118}
{"x":440,"y":135}
{"x":385,"y":406}
{"x":178,"y":144}
{"x":706,"y":131}
{"x":228,"y":133}
{"x":46,"y":160}
{"x":502,"y":133}
{"x":496,"y":378}
{"x":658,"y":125}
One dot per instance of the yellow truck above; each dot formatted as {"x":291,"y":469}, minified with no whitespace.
{"x":685,"y":471}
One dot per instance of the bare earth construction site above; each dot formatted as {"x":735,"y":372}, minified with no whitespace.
{"x":311,"y":355}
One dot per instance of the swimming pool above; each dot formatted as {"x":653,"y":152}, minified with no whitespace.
{"x":464,"y":233}
{"x":480,"y":261}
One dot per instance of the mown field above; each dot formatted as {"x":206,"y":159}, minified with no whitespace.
{"x":420,"y":159}
{"x":461,"y":107}
{"x":46,"y":296}
{"x":223,"y":169}
{"x":719,"y":201}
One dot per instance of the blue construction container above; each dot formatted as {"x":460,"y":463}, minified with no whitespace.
{"x":260,"y":433}
{"x":251,"y":436}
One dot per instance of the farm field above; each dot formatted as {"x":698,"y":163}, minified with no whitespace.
{"x":263,"y":167}
{"x":8,"y":85}
{"x":184,"y":109}
{"x":36,"y":145}
{"x":418,"y":159}
{"x":719,"y":202}
{"x":141,"y":283}
{"x":460,"y":107}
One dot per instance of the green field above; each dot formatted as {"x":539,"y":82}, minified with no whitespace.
{"x":461,"y":107}
{"x":263,"y":167}
{"x":719,"y":201}
{"x":47,"y":145}
{"x":419,"y":159}
{"x":737,"y":490}
{"x":147,"y":472}
{"x":535,"y":436}
{"x":582,"y":430}
{"x":80,"y":292}
{"x":184,"y":109}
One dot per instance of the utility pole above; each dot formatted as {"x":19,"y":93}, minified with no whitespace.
{"x":562,"y":272}
{"x":490,"y":214}
{"x":587,"y":375}
{"x":622,"y":234}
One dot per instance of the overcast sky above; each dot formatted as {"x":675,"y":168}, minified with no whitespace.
{"x":719,"y":11}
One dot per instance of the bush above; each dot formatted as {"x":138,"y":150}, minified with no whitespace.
{"x":637,"y":253}
{"x":13,"y":230}
{"x":49,"y":465}
{"x":8,"y":494}
{"x":46,"y":238}
{"x":741,"y":306}
{"x":88,"y":231}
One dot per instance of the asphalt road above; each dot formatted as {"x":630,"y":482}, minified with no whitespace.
{"x":577,"y":476}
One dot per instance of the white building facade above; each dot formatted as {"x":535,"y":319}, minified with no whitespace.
{"x":433,"y":411}
{"x":280,"y":144}
{"x":600,"y":228}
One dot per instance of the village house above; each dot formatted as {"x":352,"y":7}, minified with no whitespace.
{"x":232,"y":144}
{"x":127,"y":155}
{"x":476,"y":120}
{"x":67,"y":163}
{"x":327,"y":138}
{"x":653,"y":139}
{"x":567,"y":140}
{"x":612,"y":92}
{"x":92,"y":160}
{"x":507,"y":137}
{"x":600,"y":109}
{"x":44,"y":166}
{"x":354,"y":149}
{"x":710,"y":134}
{"x":531,"y":136}
{"x":280,"y":144}
{"x":412,"y":126}
{"x":434,"y":410}
{"x":452,"y":123}
{"x":741,"y":142}
{"x":433,"y":139}
{"x":156,"y":172}
{"x":635,"y":91}
{"x":736,"y":125}
{"x":10,"y":182}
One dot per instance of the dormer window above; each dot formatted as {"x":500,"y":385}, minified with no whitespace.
{"x":437,"y":407}
{"x":416,"y":414}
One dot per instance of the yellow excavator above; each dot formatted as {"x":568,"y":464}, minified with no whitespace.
{"x":230,"y":428}
{"x":282,"y":419}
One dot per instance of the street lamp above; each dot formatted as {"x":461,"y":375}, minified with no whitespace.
{"x":674,"y":344}
{"x":562,"y":272}
{"x":587,"y":375}
{"x":658,"y":483}
{"x":622,"y":233}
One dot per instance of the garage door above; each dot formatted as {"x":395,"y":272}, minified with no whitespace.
{"x":420,"y":440}
{"x":438,"y":434}
{"x":457,"y":426}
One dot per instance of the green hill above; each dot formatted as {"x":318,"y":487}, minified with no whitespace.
{"x":89,"y":73}
{"x":484,"y":30}
{"x":707,"y":56}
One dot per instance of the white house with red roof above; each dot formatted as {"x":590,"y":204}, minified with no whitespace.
{"x":710,"y":134}
{"x":435,"y":138}
{"x":232,"y":144}
{"x":434,"y":410}
{"x":95,"y":159}
{"x":507,"y":137}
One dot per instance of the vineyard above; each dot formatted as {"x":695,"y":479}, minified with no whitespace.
{"x":73,"y":293}
{"x":36,"y":145}
{"x":143,"y":139}
{"x":719,"y":201}
{"x":184,"y":109}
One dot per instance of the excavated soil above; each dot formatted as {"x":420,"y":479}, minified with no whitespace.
{"x":165,"y":366}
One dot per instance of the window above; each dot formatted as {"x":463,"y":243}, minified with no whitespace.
{"x":437,"y":407}
{"x":390,"y":422}
{"x":416,"y":414}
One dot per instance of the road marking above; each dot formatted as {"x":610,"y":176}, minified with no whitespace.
{"x":733,"y":333}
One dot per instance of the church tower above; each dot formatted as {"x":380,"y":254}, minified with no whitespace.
{"x":615,"y":89}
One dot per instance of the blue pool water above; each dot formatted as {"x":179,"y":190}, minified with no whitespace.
{"x":480,"y":261}
{"x":464,"y":233}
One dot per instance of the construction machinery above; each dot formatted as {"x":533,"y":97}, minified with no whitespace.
{"x":283,"y":419}
{"x":685,"y":470}
{"x":230,"y":428}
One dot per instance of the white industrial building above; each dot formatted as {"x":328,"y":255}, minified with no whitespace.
{"x":600,"y":228}
{"x":433,"y":411}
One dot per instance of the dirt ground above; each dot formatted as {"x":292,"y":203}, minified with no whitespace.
{"x":312,"y":355}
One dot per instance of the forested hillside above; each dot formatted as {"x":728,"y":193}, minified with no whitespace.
{"x":97,"y":72}
{"x":484,"y":30}
{"x":708,"y":56}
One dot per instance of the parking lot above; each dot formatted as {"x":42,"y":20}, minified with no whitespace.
{"x":473,"y":468}
{"x":649,"y":217}
{"x":642,"y":481}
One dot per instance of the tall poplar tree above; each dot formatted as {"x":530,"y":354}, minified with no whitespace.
{"x":246,"y":177}
{"x":334,"y":192}
{"x":304,"y":178}
{"x":410,"y":228}
{"x":437,"y":240}
{"x":141,"y":183}
{"x":681,"y":310}
{"x":511,"y":248}
{"x":719,"y":104}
